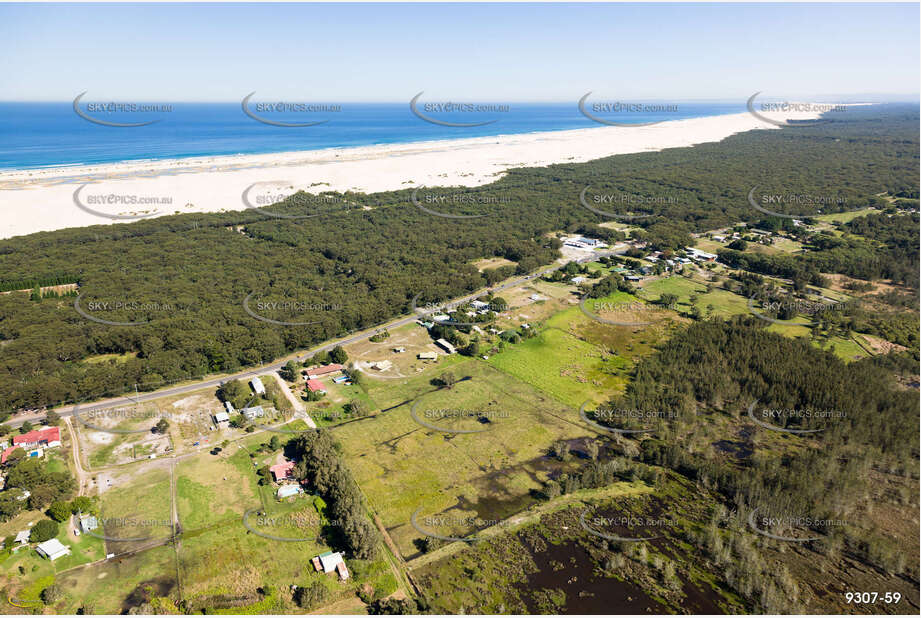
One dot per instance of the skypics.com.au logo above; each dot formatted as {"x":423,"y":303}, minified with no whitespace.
{"x":449,"y":114}
{"x":285,"y":112}
{"x":113,"y":114}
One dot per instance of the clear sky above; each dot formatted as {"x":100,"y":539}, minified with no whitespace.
{"x":494,"y":52}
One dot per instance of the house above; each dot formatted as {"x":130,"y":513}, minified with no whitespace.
{"x":252,"y":413}
{"x":48,"y":437}
{"x":22,"y":537}
{"x":581,"y":242}
{"x":381,"y":365}
{"x":257,"y":385}
{"x":221,"y":417}
{"x":719,"y":238}
{"x":441,"y":317}
{"x":229,"y":407}
{"x":446,"y":346}
{"x":328,"y":562}
{"x":6,"y":453}
{"x":325,"y":370}
{"x":632,"y":278}
{"x":578,"y":280}
{"x":286,"y":491}
{"x":427,"y":356}
{"x":88,"y":522}
{"x":697,"y":254}
{"x":282,"y":471}
{"x":479,"y":304}
{"x":52,"y":549}
{"x":315,"y":386}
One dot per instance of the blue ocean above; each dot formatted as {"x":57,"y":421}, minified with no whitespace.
{"x":35,"y":135}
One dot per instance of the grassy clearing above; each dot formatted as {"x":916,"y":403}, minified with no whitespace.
{"x":403,"y":466}
{"x":105,"y":358}
{"x":139,"y":510}
{"x":844,"y":217}
{"x":104,"y":587}
{"x":724,"y":303}
{"x":569,"y":369}
{"x":210,"y":489}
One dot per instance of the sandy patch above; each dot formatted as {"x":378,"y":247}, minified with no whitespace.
{"x":214,"y":184}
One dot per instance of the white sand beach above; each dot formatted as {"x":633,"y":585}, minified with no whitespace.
{"x":44,"y":199}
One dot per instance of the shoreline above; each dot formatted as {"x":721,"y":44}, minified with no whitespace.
{"x":43,"y":199}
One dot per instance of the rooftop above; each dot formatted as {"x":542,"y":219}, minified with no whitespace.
{"x":49,"y":434}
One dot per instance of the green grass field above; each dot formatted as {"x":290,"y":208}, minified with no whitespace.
{"x":569,"y":369}
{"x":139,"y":510}
{"x":724,"y":303}
{"x":211,"y":489}
{"x":103,"y":588}
{"x":403,"y":466}
{"x":844,"y":217}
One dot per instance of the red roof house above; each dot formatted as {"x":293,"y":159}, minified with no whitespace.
{"x":39,"y":437}
{"x":6,"y":454}
{"x":282,"y":471}
{"x":315,"y":385}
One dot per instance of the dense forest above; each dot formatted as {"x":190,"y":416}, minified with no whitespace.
{"x":863,"y":421}
{"x":181,"y":281}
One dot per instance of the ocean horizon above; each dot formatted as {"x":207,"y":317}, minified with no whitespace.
{"x":50,"y":134}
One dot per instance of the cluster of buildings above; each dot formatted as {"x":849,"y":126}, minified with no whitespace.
{"x":51,"y":549}
{"x":314,"y":374}
{"x":330,"y":561}
{"x":581,"y":242}
{"x":250,"y":413}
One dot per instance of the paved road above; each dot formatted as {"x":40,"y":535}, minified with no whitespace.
{"x":217,"y":381}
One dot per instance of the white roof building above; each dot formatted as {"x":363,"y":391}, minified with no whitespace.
{"x":229,"y":407}
{"x":253,"y":412}
{"x":221,"y":417}
{"x":257,"y":385}
{"x":329,"y":561}
{"x":428,"y":355}
{"x":22,"y":536}
{"x":52,"y":549}
{"x":697,"y":254}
